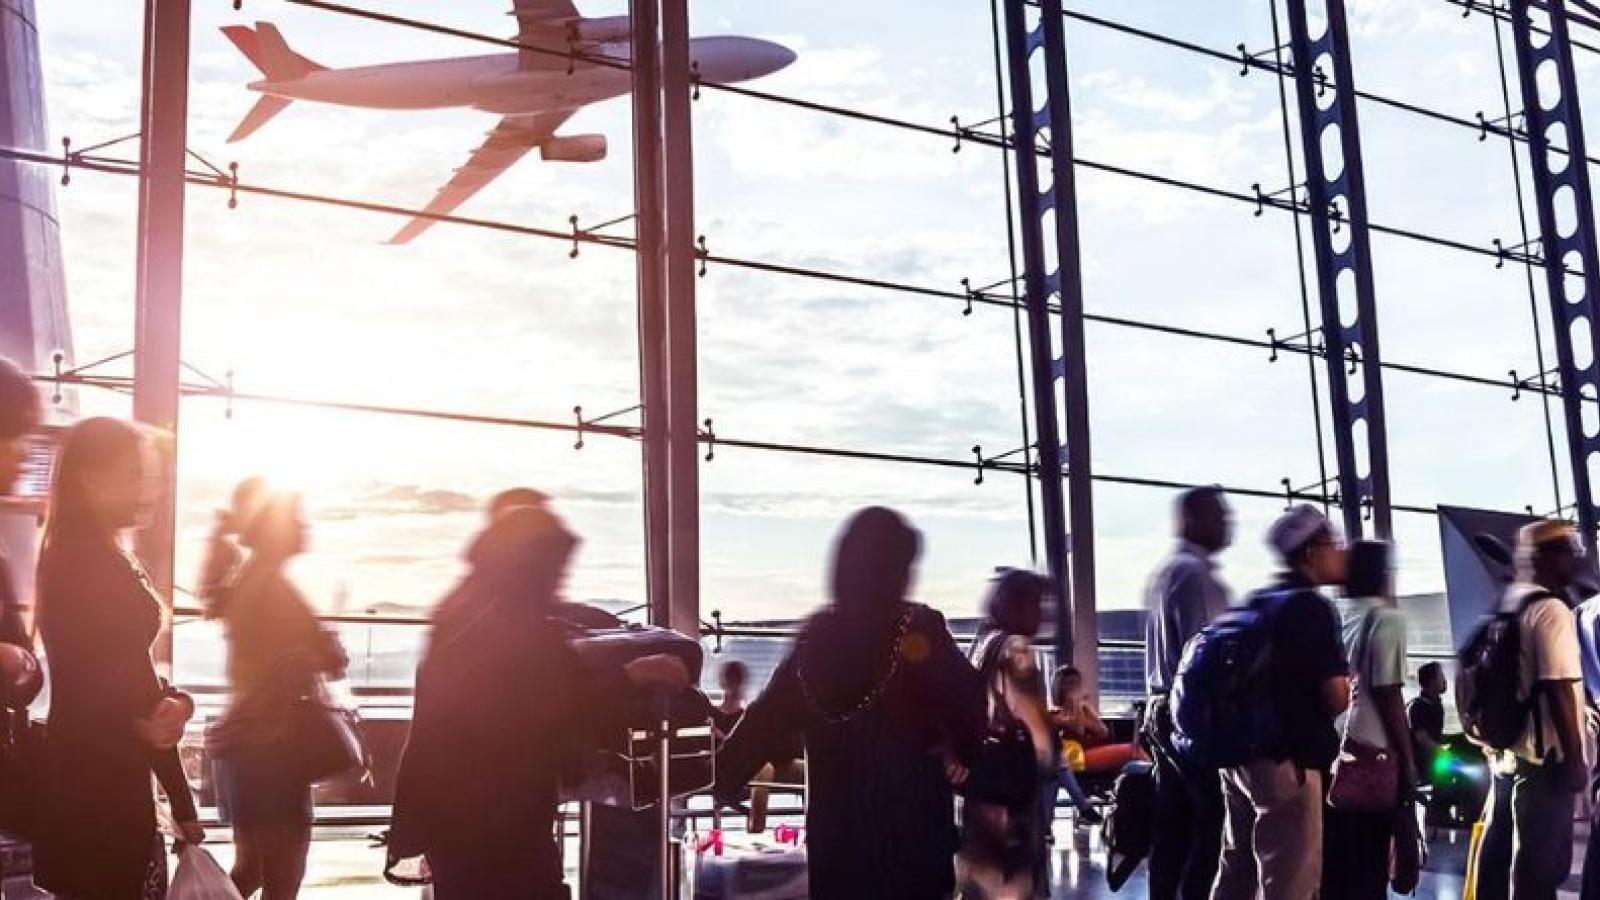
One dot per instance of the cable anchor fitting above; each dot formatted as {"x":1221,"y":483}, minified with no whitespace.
{"x":711,"y":441}
{"x":1263,"y":200}
{"x":55,"y":393}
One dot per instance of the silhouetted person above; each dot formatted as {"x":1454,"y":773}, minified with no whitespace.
{"x":20,"y":675}
{"x":1526,"y":851}
{"x":1356,"y":844}
{"x":734,"y":675}
{"x":224,"y":557}
{"x":1184,"y":596}
{"x":1426,"y":717}
{"x":1003,"y":848}
{"x":112,"y":722}
{"x":512,"y":498}
{"x":277,"y":654}
{"x":498,"y":692}
{"x":1272,"y":839}
{"x":878,"y":690}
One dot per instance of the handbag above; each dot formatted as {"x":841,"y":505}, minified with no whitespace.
{"x":322,"y":740}
{"x":1408,"y":851}
{"x":1005,"y":769}
{"x":1365,"y":778}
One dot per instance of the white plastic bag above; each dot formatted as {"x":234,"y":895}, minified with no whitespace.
{"x":200,"y":878}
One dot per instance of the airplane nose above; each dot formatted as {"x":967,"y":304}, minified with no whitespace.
{"x":774,"y":57}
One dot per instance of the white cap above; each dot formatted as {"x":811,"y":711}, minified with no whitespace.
{"x":1292,"y":529}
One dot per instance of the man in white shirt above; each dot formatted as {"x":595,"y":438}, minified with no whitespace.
{"x":1526,"y":852}
{"x":1184,"y":596}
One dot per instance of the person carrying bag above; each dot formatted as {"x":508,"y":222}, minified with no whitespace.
{"x":1371,"y":836}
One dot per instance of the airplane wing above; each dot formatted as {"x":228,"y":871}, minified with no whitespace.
{"x":543,"y":24}
{"x":510,"y":140}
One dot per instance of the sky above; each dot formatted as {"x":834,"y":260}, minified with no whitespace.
{"x":304,"y":300}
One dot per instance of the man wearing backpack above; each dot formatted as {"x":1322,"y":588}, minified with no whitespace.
{"x":1526,"y":851}
{"x":1272,"y":842}
{"x":1184,"y":596}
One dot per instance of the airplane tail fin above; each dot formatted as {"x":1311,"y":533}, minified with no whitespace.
{"x":259,"y":115}
{"x":265,"y":46}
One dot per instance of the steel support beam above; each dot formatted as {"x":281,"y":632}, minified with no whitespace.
{"x":1048,"y":213}
{"x":683,"y":453}
{"x":648,"y":204}
{"x":163,"y":124}
{"x":1330,"y":140}
{"x":1566,"y":231}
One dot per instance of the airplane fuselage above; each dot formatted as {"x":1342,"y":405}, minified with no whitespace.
{"x":497,"y":83}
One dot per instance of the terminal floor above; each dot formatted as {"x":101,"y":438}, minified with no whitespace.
{"x":344,"y":866}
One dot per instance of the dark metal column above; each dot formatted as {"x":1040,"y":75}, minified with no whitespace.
{"x":1035,"y":128}
{"x":683,"y":450}
{"x":1567,"y":232}
{"x":647,"y":193}
{"x":163,"y":123}
{"x":1336,"y":193}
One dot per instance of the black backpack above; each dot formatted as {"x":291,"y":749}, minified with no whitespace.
{"x":1130,"y":822}
{"x":1489,"y":667}
{"x":1224,"y":713}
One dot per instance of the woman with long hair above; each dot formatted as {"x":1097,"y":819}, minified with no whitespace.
{"x":112,"y":721}
{"x":882,"y":698}
{"x":1002,"y":855}
{"x":277,"y":652}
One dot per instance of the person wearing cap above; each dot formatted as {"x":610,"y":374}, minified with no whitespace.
{"x":1183,"y":597}
{"x":1526,"y":851}
{"x":1272,"y":840}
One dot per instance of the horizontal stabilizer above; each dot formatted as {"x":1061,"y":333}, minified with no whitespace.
{"x":259,"y":115}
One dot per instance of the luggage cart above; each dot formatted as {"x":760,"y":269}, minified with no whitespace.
{"x":668,"y":761}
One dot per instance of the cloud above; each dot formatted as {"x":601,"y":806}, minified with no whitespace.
{"x":378,"y":500}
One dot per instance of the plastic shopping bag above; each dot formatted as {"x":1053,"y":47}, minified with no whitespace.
{"x":200,"y":878}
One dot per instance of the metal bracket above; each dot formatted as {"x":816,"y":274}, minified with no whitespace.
{"x":577,"y":413}
{"x":1318,"y":489}
{"x":1516,"y":253}
{"x":1248,"y":61}
{"x":578,"y":234}
{"x":1504,"y":126}
{"x":1541,"y":383}
{"x":1276,"y":343}
{"x":1265,"y":200}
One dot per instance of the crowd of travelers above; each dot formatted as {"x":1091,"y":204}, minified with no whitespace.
{"x":931,"y":770}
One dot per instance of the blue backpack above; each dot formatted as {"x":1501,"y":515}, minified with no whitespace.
{"x":1223,"y":710}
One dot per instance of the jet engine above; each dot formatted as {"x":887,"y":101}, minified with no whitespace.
{"x":574,"y":148}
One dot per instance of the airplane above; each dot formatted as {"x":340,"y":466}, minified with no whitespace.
{"x":534,"y":91}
